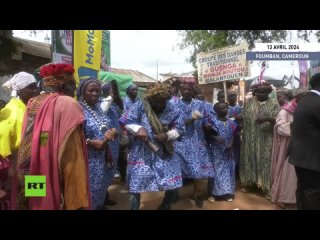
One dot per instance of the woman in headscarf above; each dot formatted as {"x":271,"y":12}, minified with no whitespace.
{"x":53,"y":145}
{"x":283,"y":176}
{"x":23,"y":86}
{"x":259,"y":115}
{"x":153,"y":164}
{"x":99,"y":130}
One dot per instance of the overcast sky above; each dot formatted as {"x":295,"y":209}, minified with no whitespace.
{"x":141,"y":49}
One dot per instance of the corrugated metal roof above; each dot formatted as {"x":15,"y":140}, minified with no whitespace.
{"x":136,"y":75}
{"x":34,"y":48}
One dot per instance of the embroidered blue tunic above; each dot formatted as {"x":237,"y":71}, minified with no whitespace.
{"x":148,"y":171}
{"x":127,"y":103}
{"x":192,"y":150}
{"x":98,"y":172}
{"x":224,"y":166}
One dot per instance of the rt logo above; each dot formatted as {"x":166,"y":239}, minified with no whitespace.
{"x":35,"y":186}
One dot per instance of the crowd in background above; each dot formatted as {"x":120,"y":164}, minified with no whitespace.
{"x":80,"y":137}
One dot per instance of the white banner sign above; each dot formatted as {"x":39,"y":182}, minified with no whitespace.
{"x":223,"y":64}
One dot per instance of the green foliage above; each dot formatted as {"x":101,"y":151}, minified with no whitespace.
{"x":7,"y":45}
{"x":208,"y":40}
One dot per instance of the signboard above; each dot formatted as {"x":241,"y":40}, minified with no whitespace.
{"x":86,"y":53}
{"x":223,"y":64}
{"x":62,"y":46}
{"x":105,"y":51}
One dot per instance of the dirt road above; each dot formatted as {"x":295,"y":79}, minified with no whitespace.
{"x":150,"y":201}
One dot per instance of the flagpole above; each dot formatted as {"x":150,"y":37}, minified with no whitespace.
{"x":263,"y":68}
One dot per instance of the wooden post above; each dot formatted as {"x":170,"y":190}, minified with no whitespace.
{"x":225,"y":91}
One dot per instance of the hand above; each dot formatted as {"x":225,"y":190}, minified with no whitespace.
{"x":97,"y":144}
{"x":189,"y":121}
{"x":260,"y":120}
{"x":229,"y":152}
{"x":238,"y":117}
{"x":161,"y":137}
{"x":110,"y":164}
{"x":219,"y":139}
{"x":111,"y":134}
{"x":142,"y":134}
{"x":291,"y":125}
{"x":196,"y":115}
{"x":207,"y":128}
{"x":228,"y":147}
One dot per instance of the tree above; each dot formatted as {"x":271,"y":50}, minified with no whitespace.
{"x":7,"y":45}
{"x":208,"y":40}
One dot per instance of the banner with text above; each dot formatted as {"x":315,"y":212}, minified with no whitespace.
{"x":223,"y":64}
{"x":303,"y":68}
{"x":61,"y":46}
{"x":105,"y":51}
{"x":86,"y":53}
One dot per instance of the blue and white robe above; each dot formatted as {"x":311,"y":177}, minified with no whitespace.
{"x":192,"y":149}
{"x":223,"y":182}
{"x":100,"y":175}
{"x":148,"y":171}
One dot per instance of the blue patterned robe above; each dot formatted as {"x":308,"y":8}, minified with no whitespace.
{"x":114,"y":115}
{"x":210,"y":113}
{"x":148,"y":171}
{"x":234,"y":111}
{"x":127,"y":102}
{"x":192,"y":150}
{"x":100,"y":175}
{"x":224,"y":180}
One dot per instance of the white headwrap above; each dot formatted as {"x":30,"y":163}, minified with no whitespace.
{"x":19,"y":81}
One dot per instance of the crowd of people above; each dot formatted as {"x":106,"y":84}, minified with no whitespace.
{"x":79,"y":137}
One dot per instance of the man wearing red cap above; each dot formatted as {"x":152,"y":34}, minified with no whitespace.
{"x":53,"y":145}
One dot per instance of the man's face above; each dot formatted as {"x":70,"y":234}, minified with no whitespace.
{"x":29,"y":92}
{"x":200,"y":95}
{"x":158,"y":103}
{"x":222,"y":110}
{"x":220,"y":97}
{"x":282,"y":99}
{"x":133,"y":92}
{"x":232,"y":98}
{"x":262,"y":94}
{"x":186,"y":91}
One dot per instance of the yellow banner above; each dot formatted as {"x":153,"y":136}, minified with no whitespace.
{"x":86,"y":53}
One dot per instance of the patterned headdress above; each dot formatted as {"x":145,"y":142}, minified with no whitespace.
{"x":55,"y":74}
{"x":157,"y":89}
{"x":262,"y":85}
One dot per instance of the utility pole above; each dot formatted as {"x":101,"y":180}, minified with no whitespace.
{"x":157,"y":68}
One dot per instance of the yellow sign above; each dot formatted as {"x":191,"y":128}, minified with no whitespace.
{"x":86,"y":53}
